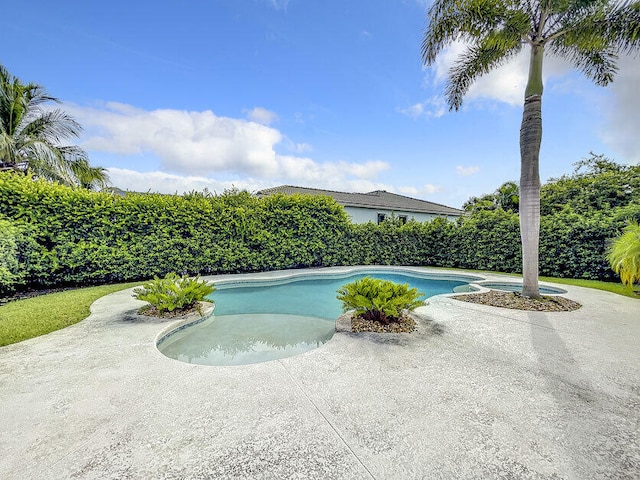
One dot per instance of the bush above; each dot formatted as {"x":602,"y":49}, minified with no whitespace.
{"x":378,"y":300}
{"x":61,"y":236}
{"x":77,"y":237}
{"x":173,"y":293}
{"x":9,"y":268}
{"x":624,"y":255}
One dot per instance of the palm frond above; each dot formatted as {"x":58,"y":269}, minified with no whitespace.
{"x":594,"y":33}
{"x":476,"y":61}
{"x":624,"y":255}
{"x":92,"y":178}
{"x":52,"y":126}
{"x":462,"y":20}
{"x":48,"y":163}
{"x":494,"y":30}
{"x":599,"y":65}
{"x":622,"y":27}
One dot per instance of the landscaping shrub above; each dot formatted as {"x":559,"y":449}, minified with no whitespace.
{"x":574,"y":245}
{"x":9,"y":267}
{"x":378,"y":300}
{"x":624,"y":255}
{"x":173,"y":293}
{"x":490,"y":240}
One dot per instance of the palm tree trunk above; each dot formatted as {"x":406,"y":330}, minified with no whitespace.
{"x":530,"y":140}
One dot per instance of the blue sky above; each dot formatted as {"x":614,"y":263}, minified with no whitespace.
{"x":179,"y":96}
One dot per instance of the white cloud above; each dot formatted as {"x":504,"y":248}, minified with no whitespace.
{"x":408,"y":190}
{"x":297,"y":147}
{"x":262,"y":116}
{"x":622,"y":124}
{"x":183,"y":141}
{"x":278,"y":4}
{"x":162,"y":182}
{"x":431,"y":189}
{"x":467,"y":171}
{"x":433,"y":107}
{"x":303,"y":147}
{"x":198,"y":149}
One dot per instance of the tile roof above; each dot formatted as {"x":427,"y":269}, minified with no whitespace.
{"x":376,"y":199}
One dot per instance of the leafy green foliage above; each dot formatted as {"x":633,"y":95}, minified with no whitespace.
{"x":9,"y":268}
{"x":506,"y":197}
{"x":80,"y":237}
{"x":378,"y":300}
{"x":173,"y":292}
{"x":62,"y":236}
{"x":31,"y":137}
{"x":597,"y":183}
{"x":624,"y":255}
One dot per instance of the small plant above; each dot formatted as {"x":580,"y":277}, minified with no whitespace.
{"x":172,"y":293}
{"x":378,"y":300}
{"x":624,"y":255}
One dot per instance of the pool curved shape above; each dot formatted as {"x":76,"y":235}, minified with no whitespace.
{"x":262,"y":319}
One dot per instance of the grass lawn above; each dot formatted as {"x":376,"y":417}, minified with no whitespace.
{"x":36,"y":316}
{"x":618,"y":288}
{"x":613,"y":287}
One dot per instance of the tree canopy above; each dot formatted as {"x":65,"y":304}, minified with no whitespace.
{"x":33,"y":137}
{"x":597,"y":183}
{"x":589,"y":34}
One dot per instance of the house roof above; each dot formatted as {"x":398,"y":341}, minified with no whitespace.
{"x":378,"y":199}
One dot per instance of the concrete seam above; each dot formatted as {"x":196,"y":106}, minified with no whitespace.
{"x":297,"y":384}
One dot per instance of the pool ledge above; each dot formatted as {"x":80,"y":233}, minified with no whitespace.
{"x":189,"y":319}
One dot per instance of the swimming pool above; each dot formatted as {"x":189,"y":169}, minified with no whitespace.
{"x":268,"y":319}
{"x":517,"y":287}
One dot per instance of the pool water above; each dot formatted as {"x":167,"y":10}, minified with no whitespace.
{"x":517,"y":287}
{"x":261,"y":321}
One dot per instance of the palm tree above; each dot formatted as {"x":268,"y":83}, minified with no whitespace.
{"x":588,"y":33}
{"x":624,"y":255}
{"x":31,"y":137}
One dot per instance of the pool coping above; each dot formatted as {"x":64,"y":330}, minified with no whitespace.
{"x":495,"y":393}
{"x":477,"y":283}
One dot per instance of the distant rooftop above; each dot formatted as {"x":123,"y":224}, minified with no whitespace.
{"x":376,"y":199}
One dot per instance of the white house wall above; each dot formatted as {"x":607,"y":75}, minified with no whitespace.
{"x":364,"y":215}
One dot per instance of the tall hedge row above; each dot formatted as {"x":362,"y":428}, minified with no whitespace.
{"x":80,"y":237}
{"x":53,"y":235}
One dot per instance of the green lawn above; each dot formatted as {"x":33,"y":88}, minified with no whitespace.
{"x":36,"y":316}
{"x":618,"y":288}
{"x":613,"y":287}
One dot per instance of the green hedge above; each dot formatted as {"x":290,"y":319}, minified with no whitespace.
{"x":9,"y":265}
{"x":81,"y":237}
{"x":52,"y":235}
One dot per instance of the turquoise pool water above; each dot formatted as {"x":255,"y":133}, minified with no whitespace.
{"x":257,"y":321}
{"x":517,"y":287}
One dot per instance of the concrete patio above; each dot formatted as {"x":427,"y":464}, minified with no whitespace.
{"x":476,"y":393}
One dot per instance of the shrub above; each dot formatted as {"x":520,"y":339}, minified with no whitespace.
{"x":624,"y":255}
{"x":173,"y":293}
{"x":65,"y":236}
{"x":8,"y":256}
{"x":378,"y":300}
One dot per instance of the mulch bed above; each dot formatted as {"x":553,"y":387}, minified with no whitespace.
{"x":154,"y":312}
{"x":405,"y":324}
{"x":514,"y":300}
